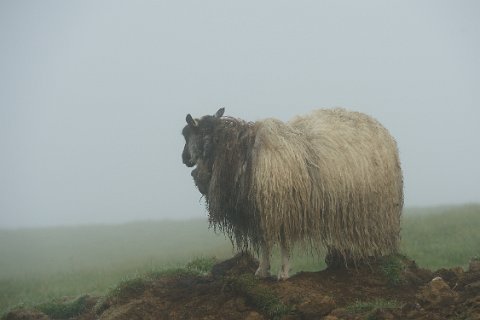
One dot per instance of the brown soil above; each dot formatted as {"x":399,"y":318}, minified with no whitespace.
{"x":229,"y":293}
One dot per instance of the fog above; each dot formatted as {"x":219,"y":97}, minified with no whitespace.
{"x":94,"y":94}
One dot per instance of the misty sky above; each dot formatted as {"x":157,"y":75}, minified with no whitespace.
{"x":93,"y":94}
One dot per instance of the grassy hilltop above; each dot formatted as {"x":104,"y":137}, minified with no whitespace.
{"x":40,"y":264}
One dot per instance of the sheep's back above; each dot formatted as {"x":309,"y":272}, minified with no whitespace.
{"x":331,"y":176}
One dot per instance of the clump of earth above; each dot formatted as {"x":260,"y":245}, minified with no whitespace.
{"x":383,"y":290}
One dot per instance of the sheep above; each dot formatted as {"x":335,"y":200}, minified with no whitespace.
{"x":327,"y":180}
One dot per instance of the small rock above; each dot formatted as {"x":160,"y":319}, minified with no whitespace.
{"x":437,"y":293}
{"x":450,"y":276}
{"x":254,"y":316}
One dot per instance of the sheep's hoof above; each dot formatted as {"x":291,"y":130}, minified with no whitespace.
{"x":262,"y":273}
{"x":282,"y":275}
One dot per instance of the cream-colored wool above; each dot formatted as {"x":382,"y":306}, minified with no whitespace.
{"x":330,"y":178}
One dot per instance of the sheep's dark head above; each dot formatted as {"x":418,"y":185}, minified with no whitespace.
{"x":199,"y":140}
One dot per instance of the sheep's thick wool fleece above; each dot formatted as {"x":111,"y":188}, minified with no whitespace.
{"x":329,"y":179}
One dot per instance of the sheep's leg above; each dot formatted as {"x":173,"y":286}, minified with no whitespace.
{"x":263,"y":270}
{"x":285,"y":268}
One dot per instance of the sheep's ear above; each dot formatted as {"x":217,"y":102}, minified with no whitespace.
{"x":220,"y":112}
{"x":191,"y":122}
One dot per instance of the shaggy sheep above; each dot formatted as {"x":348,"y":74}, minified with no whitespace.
{"x":330,"y":179}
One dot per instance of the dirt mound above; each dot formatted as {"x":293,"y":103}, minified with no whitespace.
{"x":393,"y":288}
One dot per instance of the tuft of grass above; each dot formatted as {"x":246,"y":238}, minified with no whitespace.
{"x":370,"y":307}
{"x":170,"y":273}
{"x":393,"y":267}
{"x":139,"y":283}
{"x":201,"y":265}
{"x":128,"y":287}
{"x":123,"y":290}
{"x":263,"y":298}
{"x":197,"y":267}
{"x":61,"y":309}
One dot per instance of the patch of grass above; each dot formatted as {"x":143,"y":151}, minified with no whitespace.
{"x":42,"y":264}
{"x":123,"y":290}
{"x":441,"y":237}
{"x":30,"y":291}
{"x":263,"y":298}
{"x":39,"y":265}
{"x":196,"y":267}
{"x":128,"y":287}
{"x":137,"y":284}
{"x":393,"y":267}
{"x":61,"y":309}
{"x":202,"y":265}
{"x":370,"y":307}
{"x":170,"y":273}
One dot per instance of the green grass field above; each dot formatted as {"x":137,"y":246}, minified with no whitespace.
{"x":37,"y":265}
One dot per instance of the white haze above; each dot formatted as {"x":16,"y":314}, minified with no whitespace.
{"x":93,"y":94}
